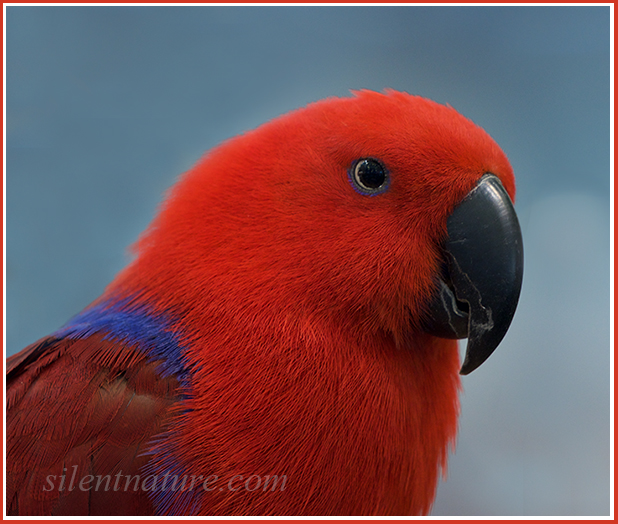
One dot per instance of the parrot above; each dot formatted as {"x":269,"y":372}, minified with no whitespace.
{"x":284,"y":340}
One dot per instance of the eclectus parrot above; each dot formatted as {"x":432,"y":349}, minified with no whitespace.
{"x":283,"y":342}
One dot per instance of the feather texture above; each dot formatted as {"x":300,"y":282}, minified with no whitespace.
{"x":72,"y":412}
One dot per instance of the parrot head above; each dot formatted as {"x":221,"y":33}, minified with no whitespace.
{"x":386,"y":212}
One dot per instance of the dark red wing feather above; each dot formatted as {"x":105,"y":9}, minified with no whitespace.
{"x":77,"y":408}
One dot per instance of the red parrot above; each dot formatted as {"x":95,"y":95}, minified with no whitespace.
{"x":284,"y":342}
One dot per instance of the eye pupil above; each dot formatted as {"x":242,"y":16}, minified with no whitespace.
{"x":369,"y":176}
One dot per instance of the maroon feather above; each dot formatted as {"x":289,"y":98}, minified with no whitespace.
{"x":91,"y":410}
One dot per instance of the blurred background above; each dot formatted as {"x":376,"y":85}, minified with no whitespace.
{"x":106,"y":106}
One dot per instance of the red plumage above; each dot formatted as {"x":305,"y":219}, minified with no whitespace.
{"x":92,"y":403}
{"x":296,"y":303}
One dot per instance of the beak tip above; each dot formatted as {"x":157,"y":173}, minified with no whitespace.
{"x":470,"y":364}
{"x":468,"y":367}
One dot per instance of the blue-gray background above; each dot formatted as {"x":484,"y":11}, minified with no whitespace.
{"x":107,"y":105}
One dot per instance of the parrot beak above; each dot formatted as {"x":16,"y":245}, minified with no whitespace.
{"x":478,"y":290}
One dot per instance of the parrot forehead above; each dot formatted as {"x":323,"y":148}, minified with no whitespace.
{"x":389,"y":117}
{"x":413,"y":132}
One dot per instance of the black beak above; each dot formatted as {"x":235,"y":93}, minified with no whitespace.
{"x":477,"y":293}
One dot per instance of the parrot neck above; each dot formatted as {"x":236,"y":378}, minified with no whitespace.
{"x":357,"y":422}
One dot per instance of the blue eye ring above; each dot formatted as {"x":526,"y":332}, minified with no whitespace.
{"x":369,"y":176}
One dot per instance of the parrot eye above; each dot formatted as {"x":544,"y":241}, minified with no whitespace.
{"x":369,"y":176}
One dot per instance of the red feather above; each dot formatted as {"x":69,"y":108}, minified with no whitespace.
{"x":67,"y":409}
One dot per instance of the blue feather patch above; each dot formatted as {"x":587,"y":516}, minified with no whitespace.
{"x":132,"y":323}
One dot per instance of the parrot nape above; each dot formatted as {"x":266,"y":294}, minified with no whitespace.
{"x":284,"y":340}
